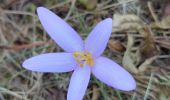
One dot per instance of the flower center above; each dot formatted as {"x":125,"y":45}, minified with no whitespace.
{"x":83,"y":58}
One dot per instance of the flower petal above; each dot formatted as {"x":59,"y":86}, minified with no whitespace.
{"x":78,"y":83}
{"x":62,"y":33}
{"x":97,"y":40}
{"x":113,"y":75}
{"x":51,"y":62}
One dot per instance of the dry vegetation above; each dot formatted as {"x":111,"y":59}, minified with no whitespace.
{"x":141,"y":44}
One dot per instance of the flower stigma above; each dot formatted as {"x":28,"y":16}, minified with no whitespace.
{"x":83,"y":58}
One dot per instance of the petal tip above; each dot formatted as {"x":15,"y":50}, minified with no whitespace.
{"x":131,"y":86}
{"x":40,"y":8}
{"x":109,"y":20}
{"x":29,"y":64}
{"x":25,"y":64}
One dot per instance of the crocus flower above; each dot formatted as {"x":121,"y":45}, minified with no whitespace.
{"x":82,"y":57}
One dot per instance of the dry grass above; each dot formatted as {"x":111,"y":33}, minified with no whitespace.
{"x":141,"y":44}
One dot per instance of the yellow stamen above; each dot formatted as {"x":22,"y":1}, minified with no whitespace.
{"x":83,"y":58}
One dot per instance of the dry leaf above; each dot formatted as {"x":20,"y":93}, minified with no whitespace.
{"x":128,"y":22}
{"x":127,"y":18}
{"x":165,"y":22}
{"x":148,"y":48}
{"x":128,"y":62}
{"x":116,"y":46}
{"x":146,"y":64}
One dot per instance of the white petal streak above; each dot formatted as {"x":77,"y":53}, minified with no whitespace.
{"x":51,"y":62}
{"x":78,"y":83}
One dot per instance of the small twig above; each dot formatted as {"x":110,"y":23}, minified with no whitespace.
{"x":17,"y":12}
{"x":163,"y":43}
{"x":153,"y":13}
{"x":163,"y":56}
{"x":148,"y":87}
{"x":71,"y":9}
{"x":4,"y":90}
{"x":96,"y":93}
{"x":10,"y":3}
{"x":60,"y":4}
{"x":24,"y":46}
{"x":37,"y":84}
{"x":117,"y":4}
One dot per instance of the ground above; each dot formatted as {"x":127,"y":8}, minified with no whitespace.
{"x":140,"y":43}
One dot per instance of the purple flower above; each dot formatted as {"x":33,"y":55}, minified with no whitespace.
{"x":84,"y":57}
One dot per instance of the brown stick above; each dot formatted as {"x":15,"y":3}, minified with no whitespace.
{"x":24,"y":46}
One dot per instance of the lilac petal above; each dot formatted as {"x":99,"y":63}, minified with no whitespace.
{"x":78,"y":83}
{"x":97,"y":40}
{"x":62,"y":33}
{"x":51,"y":62}
{"x":113,"y":74}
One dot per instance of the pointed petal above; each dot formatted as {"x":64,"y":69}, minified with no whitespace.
{"x":51,"y":62}
{"x":78,"y":83}
{"x":97,"y":40}
{"x":113,"y":75}
{"x":62,"y":33}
